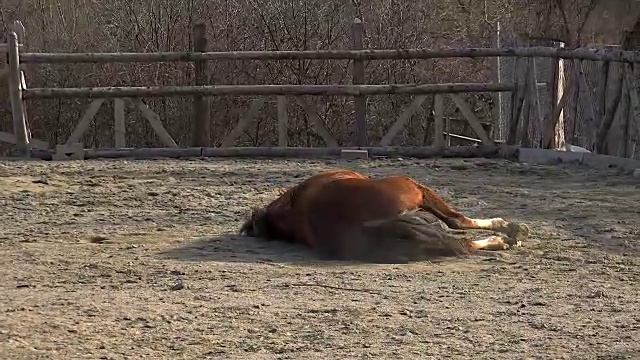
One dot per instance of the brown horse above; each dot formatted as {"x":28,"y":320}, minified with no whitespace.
{"x":348,"y":216}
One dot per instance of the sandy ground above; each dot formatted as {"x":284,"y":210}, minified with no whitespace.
{"x":132,"y":259}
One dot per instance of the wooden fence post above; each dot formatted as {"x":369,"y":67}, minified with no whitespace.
{"x":283,"y":136}
{"x":119,"y":128}
{"x":201,"y":129}
{"x":19,"y":29}
{"x":15,"y":93}
{"x":517,"y":101}
{"x":438,"y":114}
{"x":609,"y":114}
{"x":360,"y":103}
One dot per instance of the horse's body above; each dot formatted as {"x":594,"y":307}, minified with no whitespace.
{"x":346,"y":215}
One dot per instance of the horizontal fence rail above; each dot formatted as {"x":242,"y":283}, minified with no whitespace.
{"x":217,"y":90}
{"x":489,"y":151}
{"x":406,"y":54}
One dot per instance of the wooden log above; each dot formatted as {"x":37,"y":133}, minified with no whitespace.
{"x":462,"y":137}
{"x":284,"y":152}
{"x":144,"y":153}
{"x":283,"y":136}
{"x":561,"y":79}
{"x":23,"y":84}
{"x":264,"y":90}
{"x":401,"y":54}
{"x":601,"y":95}
{"x":119,"y":131}
{"x":550,"y":129}
{"x":4,"y":73}
{"x":18,"y":28}
{"x":573,"y":117}
{"x":607,"y":121}
{"x":634,"y":102}
{"x":201,"y":129}
{"x":244,"y":122}
{"x":536,"y":96}
{"x":529,"y":103}
{"x":517,"y":102}
{"x":614,"y":138}
{"x":492,"y":151}
{"x":360,"y":102}
{"x":625,"y":117}
{"x":438,"y":115}
{"x":586,"y":99}
{"x":523,"y":137}
{"x":466,"y":111}
{"x":475,"y":151}
{"x":4,"y":48}
{"x":415,"y":105}
{"x":427,"y":137}
{"x":556,"y":91}
{"x":156,"y":124}
{"x":16,"y":96}
{"x":317,"y":123}
{"x":85,"y":121}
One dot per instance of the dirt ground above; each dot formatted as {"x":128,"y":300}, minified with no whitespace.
{"x":133,"y":259}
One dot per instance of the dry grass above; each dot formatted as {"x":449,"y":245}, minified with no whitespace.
{"x":132,"y":259}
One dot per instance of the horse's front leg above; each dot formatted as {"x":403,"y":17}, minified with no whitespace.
{"x":514,"y":230}
{"x":495,"y":243}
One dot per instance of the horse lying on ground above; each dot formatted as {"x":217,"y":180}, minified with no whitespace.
{"x":345,"y":215}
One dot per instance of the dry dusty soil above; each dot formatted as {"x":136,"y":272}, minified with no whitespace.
{"x":133,"y":259}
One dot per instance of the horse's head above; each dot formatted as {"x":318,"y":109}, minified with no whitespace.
{"x":255,"y":225}
{"x":264,"y":224}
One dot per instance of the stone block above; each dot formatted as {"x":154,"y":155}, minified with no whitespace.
{"x":69,"y":152}
{"x":544,"y":156}
{"x":604,"y":162}
{"x":354,"y":154}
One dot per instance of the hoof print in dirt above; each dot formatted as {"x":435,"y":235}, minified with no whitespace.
{"x":99,"y":239}
{"x":42,"y":181}
{"x":177,"y":286}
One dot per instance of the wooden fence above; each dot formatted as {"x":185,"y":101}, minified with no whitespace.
{"x":524,"y":97}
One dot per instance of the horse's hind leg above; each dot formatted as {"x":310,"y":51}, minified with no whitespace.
{"x":433,"y":203}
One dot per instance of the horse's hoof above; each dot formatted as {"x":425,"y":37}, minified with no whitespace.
{"x":518,"y":232}
{"x":512,"y":243}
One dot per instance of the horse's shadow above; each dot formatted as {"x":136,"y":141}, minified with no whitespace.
{"x":244,"y":249}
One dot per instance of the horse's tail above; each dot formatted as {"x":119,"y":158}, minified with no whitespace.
{"x":408,"y":237}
